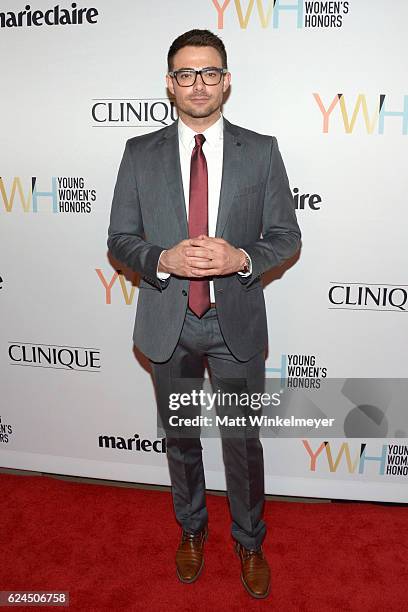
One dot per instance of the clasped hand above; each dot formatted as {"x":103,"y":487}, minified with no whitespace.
{"x":202,"y":256}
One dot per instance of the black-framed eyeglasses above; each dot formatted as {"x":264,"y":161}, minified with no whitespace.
{"x":186,"y":77}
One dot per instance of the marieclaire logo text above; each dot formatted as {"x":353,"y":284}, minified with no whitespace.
{"x":52,"y":17}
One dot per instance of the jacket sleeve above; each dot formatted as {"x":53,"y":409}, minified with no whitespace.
{"x":280,"y":231}
{"x":126,"y":233}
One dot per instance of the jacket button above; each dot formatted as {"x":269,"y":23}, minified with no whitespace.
{"x":184,"y":292}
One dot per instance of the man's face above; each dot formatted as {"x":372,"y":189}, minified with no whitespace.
{"x":199,"y":100}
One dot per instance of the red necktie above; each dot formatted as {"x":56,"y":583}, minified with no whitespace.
{"x":199,"y":290}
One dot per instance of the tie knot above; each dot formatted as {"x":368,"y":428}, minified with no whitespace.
{"x":199,"y":140}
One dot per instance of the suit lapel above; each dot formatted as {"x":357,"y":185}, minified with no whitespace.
{"x":231,"y":169}
{"x":171,"y":163}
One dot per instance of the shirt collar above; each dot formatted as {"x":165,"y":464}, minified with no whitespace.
{"x":213,"y":134}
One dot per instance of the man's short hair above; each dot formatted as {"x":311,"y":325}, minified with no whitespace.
{"x":197,"y":38}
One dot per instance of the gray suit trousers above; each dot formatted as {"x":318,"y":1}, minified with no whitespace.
{"x":201,"y":344}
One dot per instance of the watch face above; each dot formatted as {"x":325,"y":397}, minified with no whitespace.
{"x":246,"y":265}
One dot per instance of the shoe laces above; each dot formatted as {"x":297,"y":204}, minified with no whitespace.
{"x":248,"y":552}
{"x":191,"y":537}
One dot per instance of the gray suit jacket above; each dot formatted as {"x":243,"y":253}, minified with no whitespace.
{"x":256,"y":212}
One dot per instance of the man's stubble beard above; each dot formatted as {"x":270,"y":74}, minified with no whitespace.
{"x":201,"y":113}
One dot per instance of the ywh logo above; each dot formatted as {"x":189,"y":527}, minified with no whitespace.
{"x":374,"y":119}
{"x":6,"y":431}
{"x":302,"y":13}
{"x":391,"y":460}
{"x":299,"y":371}
{"x":68,"y":194}
{"x":127,"y":294}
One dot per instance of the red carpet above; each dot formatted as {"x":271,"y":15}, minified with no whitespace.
{"x":113,"y":548}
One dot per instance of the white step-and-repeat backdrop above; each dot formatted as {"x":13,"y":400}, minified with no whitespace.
{"x":328,"y":79}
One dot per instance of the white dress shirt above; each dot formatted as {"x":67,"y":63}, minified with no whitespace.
{"x":213,"y":150}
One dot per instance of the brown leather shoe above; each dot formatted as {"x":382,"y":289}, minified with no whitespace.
{"x":190,"y":555}
{"x":255,"y":572}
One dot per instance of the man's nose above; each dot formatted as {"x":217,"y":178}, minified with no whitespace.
{"x":199,"y":84}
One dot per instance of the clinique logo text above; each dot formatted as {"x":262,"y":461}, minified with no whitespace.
{"x":137,"y":112}
{"x":355,"y":296}
{"x":53,"y":356}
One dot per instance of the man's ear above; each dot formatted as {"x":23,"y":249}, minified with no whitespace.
{"x":227,"y":82}
{"x":169,"y":83}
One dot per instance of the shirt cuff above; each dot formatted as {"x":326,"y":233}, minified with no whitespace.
{"x":161,"y":275}
{"x":250,"y":265}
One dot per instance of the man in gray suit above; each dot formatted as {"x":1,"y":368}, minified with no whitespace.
{"x":201,"y":210}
